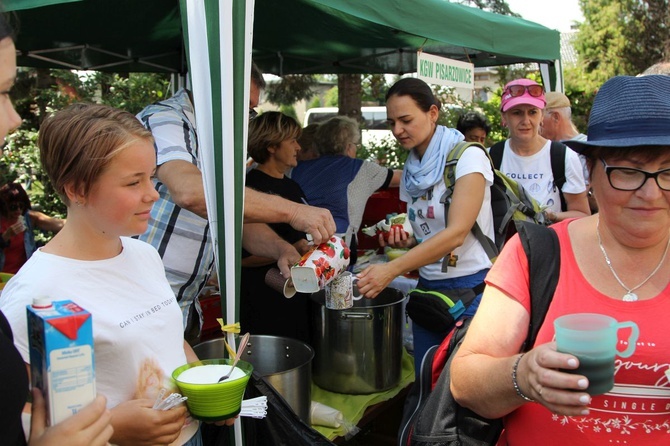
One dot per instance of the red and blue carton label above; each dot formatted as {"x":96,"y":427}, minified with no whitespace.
{"x":61,"y":356}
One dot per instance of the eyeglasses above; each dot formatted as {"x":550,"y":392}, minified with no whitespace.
{"x":252,"y":114}
{"x":630,"y":178}
{"x":15,"y":207}
{"x":518,"y":90}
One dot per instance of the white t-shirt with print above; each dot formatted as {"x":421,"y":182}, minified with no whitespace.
{"x":534,"y":174}
{"x":427,"y":217}
{"x":137,"y":323}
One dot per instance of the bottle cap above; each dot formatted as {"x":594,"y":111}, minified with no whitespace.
{"x":42,"y":302}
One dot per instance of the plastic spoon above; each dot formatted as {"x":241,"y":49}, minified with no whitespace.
{"x":240,"y":349}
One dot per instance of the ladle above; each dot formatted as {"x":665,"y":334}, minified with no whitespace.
{"x":240,"y":349}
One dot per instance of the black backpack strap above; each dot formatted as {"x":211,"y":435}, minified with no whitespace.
{"x":496,"y":151}
{"x":557,"y":151}
{"x":558,"y":163}
{"x":544,"y":263}
{"x":489,"y":245}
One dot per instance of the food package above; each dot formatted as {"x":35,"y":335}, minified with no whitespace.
{"x":391,"y":221}
{"x":61,"y":356}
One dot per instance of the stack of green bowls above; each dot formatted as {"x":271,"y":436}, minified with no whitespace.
{"x":216,"y":401}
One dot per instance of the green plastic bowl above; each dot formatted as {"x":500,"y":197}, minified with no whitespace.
{"x":4,"y":277}
{"x":393,"y":254}
{"x":215,"y":401}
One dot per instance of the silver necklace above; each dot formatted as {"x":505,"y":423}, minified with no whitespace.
{"x":629,"y":296}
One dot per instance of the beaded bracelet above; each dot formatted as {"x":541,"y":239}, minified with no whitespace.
{"x":514,"y":381}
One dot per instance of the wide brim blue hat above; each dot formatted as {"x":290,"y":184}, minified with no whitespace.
{"x":628,"y":112}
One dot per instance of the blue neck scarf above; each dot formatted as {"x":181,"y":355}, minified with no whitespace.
{"x":419,"y":175}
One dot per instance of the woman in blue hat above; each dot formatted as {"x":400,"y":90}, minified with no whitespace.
{"x":614,"y":263}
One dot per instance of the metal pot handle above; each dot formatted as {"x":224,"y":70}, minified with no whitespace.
{"x":346,"y":315}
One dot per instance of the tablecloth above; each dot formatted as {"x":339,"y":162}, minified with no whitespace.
{"x":354,"y":406}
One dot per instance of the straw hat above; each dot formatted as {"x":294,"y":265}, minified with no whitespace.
{"x":627,"y":112}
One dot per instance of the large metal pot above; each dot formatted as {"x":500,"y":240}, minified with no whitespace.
{"x":358,"y":350}
{"x":284,"y":362}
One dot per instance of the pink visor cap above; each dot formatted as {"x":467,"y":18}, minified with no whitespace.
{"x":508,"y":100}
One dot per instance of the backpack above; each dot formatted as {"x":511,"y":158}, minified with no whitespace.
{"x":509,"y":202}
{"x":431,"y":416}
{"x":557,"y":151}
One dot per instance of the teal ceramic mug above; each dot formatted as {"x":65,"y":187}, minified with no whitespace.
{"x":593,"y":339}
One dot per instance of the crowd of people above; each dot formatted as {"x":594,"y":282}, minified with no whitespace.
{"x":137,"y":236}
{"x":612,"y":263}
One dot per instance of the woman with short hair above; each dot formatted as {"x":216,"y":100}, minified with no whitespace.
{"x":264,"y":311}
{"x":340,"y":182}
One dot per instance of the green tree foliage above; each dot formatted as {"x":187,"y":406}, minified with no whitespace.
{"x":330,"y":98}
{"x":508,"y":73}
{"x":290,"y":89}
{"x":386,"y":152}
{"x":581,"y":95}
{"x":374,"y":88}
{"x":39,"y":92}
{"x":650,"y":21}
{"x":620,"y":37}
{"x":373,"y":91}
{"x":288,"y":110}
{"x":20,"y":163}
{"x":315,"y":102}
{"x":131,"y":92}
{"x":497,"y":6}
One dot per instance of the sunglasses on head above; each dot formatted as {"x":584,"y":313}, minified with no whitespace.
{"x":518,"y":90}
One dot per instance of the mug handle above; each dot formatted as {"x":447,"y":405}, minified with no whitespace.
{"x":632,"y":340}
{"x":354,"y":289}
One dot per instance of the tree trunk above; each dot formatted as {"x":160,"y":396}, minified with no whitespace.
{"x":349,"y":95}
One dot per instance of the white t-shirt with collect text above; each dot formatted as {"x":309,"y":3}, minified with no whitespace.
{"x":534,"y":174}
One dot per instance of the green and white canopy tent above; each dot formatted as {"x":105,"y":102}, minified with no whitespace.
{"x":213,"y":41}
{"x":290,"y":36}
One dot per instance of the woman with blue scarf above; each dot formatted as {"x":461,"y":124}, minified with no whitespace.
{"x":412,"y":112}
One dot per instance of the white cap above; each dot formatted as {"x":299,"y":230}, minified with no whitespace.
{"x":41,"y":302}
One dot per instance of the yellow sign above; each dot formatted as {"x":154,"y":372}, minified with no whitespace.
{"x":443,"y":71}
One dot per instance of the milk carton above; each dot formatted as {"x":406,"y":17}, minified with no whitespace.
{"x":61,"y":356}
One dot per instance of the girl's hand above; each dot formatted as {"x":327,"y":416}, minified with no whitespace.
{"x":137,"y":423}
